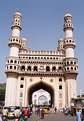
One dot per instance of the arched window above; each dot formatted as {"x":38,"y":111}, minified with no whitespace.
{"x":11,"y":61}
{"x":71,"y":68}
{"x":29,"y":57}
{"x":8,"y":61}
{"x":15,"y":67}
{"x":69,"y":40}
{"x":22,"y":78}
{"x":21,"y":86}
{"x":22,"y":68}
{"x":47,"y":57}
{"x":10,"y":67}
{"x":29,"y":68}
{"x":60,"y":68}
{"x":60,"y":79}
{"x":67,"y":68}
{"x":67,"y":62}
{"x":74,"y":62}
{"x":47,"y":68}
{"x":35,"y":68}
{"x":75,"y":68}
{"x":53,"y":68}
{"x":60,"y":87}
{"x":71,"y":62}
{"x":15,"y":61}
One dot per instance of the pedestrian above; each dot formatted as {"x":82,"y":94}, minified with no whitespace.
{"x":38,"y":111}
{"x":17,"y":112}
{"x":4,"y":112}
{"x":82,"y":116}
{"x":78,"y":115}
{"x":25,"y":113}
{"x":55,"y":109}
{"x":42,"y":113}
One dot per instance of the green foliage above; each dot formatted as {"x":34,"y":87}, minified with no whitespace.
{"x":2,"y":91}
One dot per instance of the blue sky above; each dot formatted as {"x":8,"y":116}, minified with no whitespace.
{"x":42,"y":23}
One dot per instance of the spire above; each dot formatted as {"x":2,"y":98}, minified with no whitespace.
{"x":17,"y":18}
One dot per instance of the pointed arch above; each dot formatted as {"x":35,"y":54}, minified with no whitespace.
{"x":40,"y":85}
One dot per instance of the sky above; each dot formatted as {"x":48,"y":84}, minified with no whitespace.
{"x":42,"y":25}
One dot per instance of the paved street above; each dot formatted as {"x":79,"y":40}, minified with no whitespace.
{"x":52,"y":117}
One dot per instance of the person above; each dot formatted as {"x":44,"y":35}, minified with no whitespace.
{"x":78,"y":115}
{"x":38,"y":111}
{"x":82,"y":116}
{"x":42,"y":113}
{"x":55,"y":109}
{"x":4,"y":112}
{"x":25,"y":112}
{"x":17,"y":112}
{"x":31,"y":108}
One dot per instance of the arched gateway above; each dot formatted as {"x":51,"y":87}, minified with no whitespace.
{"x":40,"y":85}
{"x":29,"y":70}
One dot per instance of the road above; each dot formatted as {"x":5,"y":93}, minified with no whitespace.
{"x":52,"y":117}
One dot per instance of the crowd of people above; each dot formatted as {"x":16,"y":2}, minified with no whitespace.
{"x":19,"y":112}
{"x":22,"y":112}
{"x":26,"y":112}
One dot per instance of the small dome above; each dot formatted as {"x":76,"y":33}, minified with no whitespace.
{"x":68,"y":15}
{"x":24,"y":39}
{"x":60,"y":39}
{"x":18,"y":13}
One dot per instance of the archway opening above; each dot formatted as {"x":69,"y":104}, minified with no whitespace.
{"x":39,"y":86}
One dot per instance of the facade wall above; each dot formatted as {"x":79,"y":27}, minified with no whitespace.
{"x":28,"y":82}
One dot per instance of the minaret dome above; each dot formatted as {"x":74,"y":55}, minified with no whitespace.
{"x":18,"y":13}
{"x":68,"y":15}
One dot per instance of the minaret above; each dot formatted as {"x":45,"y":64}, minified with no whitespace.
{"x":12,"y":62}
{"x":70,"y":62}
{"x":60,"y":45}
{"x":15,"y":42}
{"x":69,"y":42}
